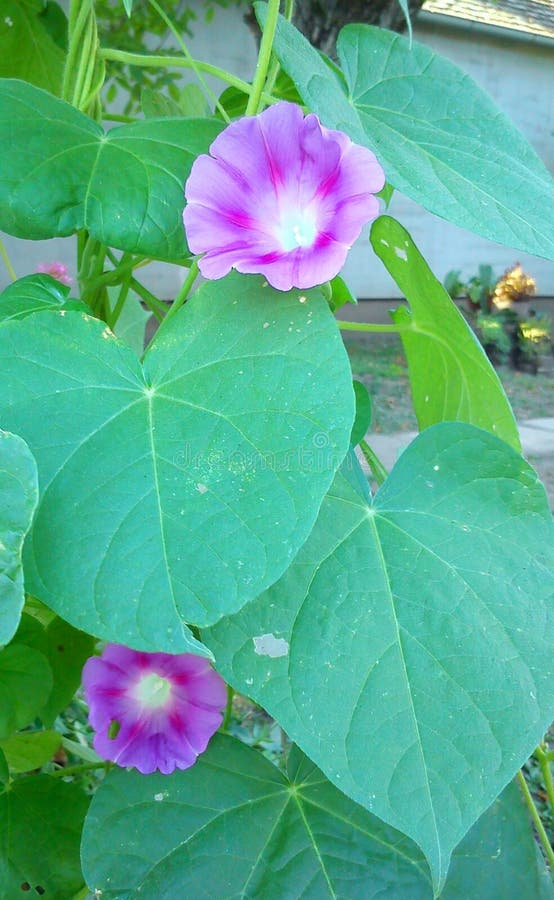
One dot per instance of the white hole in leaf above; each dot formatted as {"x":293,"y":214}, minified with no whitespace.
{"x":269,"y":645}
{"x":401,"y":253}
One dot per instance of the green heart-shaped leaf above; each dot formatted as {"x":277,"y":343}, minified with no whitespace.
{"x":283,"y":835}
{"x":62,"y":172}
{"x":28,"y":750}
{"x":18,"y":500}
{"x":27,"y":50}
{"x":414,"y":635}
{"x":40,"y":828}
{"x":450,"y":375}
{"x":25,"y":684}
{"x":67,"y":650}
{"x":176,"y":492}
{"x":440,"y":138}
{"x":34,"y":293}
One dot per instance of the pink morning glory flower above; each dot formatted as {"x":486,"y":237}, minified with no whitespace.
{"x":57,"y":270}
{"x":152,"y":710}
{"x":282,"y":196}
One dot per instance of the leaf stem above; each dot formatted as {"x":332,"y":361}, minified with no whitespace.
{"x":120,"y":303}
{"x":69,"y":771}
{"x":228,"y":708}
{"x":377,"y":468}
{"x":542,"y":835}
{"x":543,"y":758}
{"x":184,"y":291}
{"x":7,"y":262}
{"x":264,"y":56}
{"x":188,"y":56}
{"x":145,"y":60}
{"x":372,"y":327}
{"x":156,"y":307}
{"x":180,"y":299}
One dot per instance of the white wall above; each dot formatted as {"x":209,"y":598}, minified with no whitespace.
{"x":516,"y":73}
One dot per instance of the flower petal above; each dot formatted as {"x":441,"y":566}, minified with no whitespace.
{"x":152,"y":731}
{"x":282,"y":196}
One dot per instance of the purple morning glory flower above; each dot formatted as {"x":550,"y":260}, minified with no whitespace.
{"x":152,"y":710}
{"x":282,"y":196}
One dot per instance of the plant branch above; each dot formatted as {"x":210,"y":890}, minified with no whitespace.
{"x":69,"y":771}
{"x":145,"y":60}
{"x":542,"y":835}
{"x":377,"y":468}
{"x":264,"y":57}
{"x":372,"y":327}
{"x":7,"y":262}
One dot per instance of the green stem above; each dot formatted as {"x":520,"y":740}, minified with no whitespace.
{"x":115,"y":117}
{"x":543,"y":758}
{"x":377,"y":468}
{"x":289,"y":10}
{"x":180,"y":299}
{"x":543,"y":837}
{"x":7,"y":262}
{"x":78,"y":15}
{"x":372,"y":327}
{"x":77,"y":770}
{"x":264,"y":56}
{"x":188,"y":56}
{"x":184,"y":290}
{"x":228,"y":708}
{"x":153,"y":303}
{"x":83,"y":70}
{"x":120,"y":303}
{"x":153,"y":61}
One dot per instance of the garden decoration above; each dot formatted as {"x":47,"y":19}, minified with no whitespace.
{"x":190,"y":519}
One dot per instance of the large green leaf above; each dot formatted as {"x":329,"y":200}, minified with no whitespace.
{"x":25,"y":683}
{"x":28,"y":750}
{"x":40,"y":827}
{"x":18,"y":500}
{"x":450,"y":375}
{"x":499,"y":857}
{"x":67,"y":650}
{"x":27,"y":50}
{"x":235,"y":826}
{"x":176,"y":492}
{"x":62,"y":172}
{"x":33,"y":293}
{"x":440,"y":138}
{"x":408,"y":649}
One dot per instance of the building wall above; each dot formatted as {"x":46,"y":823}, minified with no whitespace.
{"x":515,"y":72}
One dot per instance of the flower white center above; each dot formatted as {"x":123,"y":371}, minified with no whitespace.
{"x":153,"y":691}
{"x":297,"y":229}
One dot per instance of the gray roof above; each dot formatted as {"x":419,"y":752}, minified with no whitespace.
{"x":527,"y":16}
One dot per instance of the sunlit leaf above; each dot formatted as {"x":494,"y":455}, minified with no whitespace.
{"x":168,"y":494}
{"x":417,"y":666}
{"x":70,"y":177}
{"x":450,"y":375}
